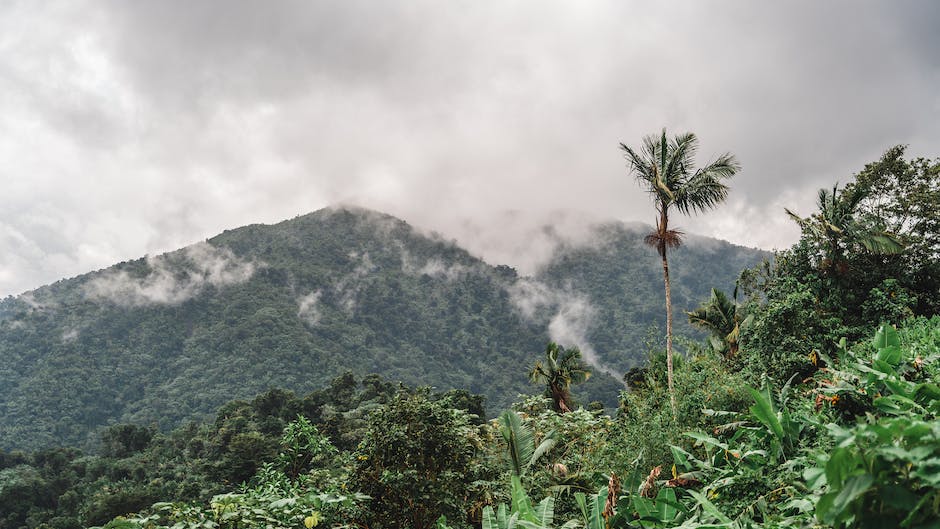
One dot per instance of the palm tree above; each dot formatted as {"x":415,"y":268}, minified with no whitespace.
{"x":722,"y":318}
{"x":665,"y":169}
{"x":835,"y":225}
{"x":562,"y":368}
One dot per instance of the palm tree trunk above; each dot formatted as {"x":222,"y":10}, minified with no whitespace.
{"x":672,"y":390}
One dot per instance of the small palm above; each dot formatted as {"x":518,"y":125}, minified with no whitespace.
{"x":561,"y":369}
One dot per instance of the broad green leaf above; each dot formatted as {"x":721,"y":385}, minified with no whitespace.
{"x":764,"y":411}
{"x":502,"y":518}
{"x":900,"y":387}
{"x":519,"y":439}
{"x":581,"y":500}
{"x":644,"y":507}
{"x":489,"y":518}
{"x":890,"y":355}
{"x":897,"y":404}
{"x":841,"y":463}
{"x":926,"y":393}
{"x":520,"y":501}
{"x":815,"y":477}
{"x":709,"y":507}
{"x":597,"y":509}
{"x":551,"y":439}
{"x":665,"y":504}
{"x":898,"y":497}
{"x":707,"y":440}
{"x":883,"y":367}
{"x":545,"y":511}
{"x":831,"y":507}
{"x":886,"y":336}
{"x":681,"y":457}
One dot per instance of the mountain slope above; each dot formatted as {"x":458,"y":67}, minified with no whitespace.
{"x":170,"y":338}
{"x":617,"y":282}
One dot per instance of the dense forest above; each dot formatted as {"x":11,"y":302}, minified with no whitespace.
{"x":810,"y":398}
{"x":167,"y":339}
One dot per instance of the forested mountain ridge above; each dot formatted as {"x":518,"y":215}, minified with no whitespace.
{"x":291,"y":305}
{"x":622,"y":279}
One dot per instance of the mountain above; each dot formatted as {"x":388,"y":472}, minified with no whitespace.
{"x":161,"y":340}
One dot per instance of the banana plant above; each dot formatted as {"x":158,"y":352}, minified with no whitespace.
{"x":592,"y":514}
{"x":520,"y":441}
{"x":522,"y":514}
{"x":774,"y":415}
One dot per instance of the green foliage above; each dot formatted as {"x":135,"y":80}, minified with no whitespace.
{"x":64,"y":488}
{"x":416,"y":462}
{"x":851,"y":441}
{"x":646,"y":429}
{"x":387,"y":304}
{"x":845,"y":276}
{"x":261,"y":507}
{"x":301,"y":444}
{"x":523,"y":515}
{"x":864,"y":453}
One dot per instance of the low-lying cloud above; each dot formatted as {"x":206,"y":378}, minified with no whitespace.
{"x":347,"y":289}
{"x":434,"y":267}
{"x":308,"y":308}
{"x":569,"y":316}
{"x":172,"y":278}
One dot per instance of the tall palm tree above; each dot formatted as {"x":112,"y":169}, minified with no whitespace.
{"x":562,"y":368}
{"x":835,"y":226}
{"x":722,"y":318}
{"x":665,"y":168}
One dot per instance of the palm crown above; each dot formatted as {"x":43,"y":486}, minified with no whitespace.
{"x":665,"y":168}
{"x":562,"y":368}
{"x":836,"y":223}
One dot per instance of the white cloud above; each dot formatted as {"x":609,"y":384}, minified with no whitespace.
{"x":569,"y":315}
{"x":172,"y":278}
{"x":348,"y":287}
{"x":308,"y":308}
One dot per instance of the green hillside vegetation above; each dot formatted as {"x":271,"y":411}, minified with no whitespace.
{"x":159,"y":341}
{"x":619,"y":329}
{"x":138,"y":466}
{"x":813,"y":401}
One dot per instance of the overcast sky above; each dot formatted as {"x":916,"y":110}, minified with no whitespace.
{"x":129,"y":128}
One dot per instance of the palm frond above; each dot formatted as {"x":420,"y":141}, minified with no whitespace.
{"x":799,"y":220}
{"x":682,"y":155}
{"x":705,"y":189}
{"x":882,"y":243}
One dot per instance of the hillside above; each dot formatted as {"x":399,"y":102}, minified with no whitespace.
{"x":615,"y":286}
{"x":164,"y":339}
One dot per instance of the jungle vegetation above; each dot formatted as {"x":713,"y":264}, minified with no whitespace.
{"x":812,"y":401}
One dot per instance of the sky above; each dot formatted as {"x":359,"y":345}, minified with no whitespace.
{"x":133,"y":128}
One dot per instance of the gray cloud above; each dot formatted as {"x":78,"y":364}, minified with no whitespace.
{"x":129,"y":128}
